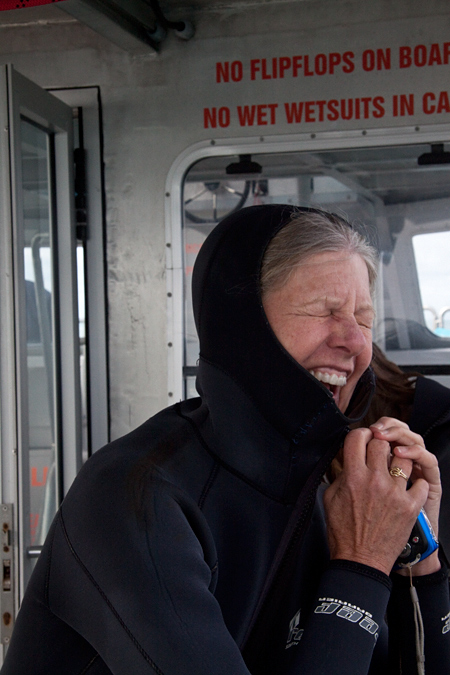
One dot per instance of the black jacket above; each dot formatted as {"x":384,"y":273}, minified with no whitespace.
{"x":430,"y":417}
{"x":159,"y":558}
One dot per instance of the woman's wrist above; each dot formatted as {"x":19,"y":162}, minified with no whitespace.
{"x":428,"y":566}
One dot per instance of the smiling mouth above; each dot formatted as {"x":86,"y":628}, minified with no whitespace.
{"x":332,"y":382}
{"x":327,"y":378}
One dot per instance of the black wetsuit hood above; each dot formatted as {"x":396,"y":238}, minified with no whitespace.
{"x":235,"y":335}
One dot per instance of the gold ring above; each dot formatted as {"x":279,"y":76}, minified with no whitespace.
{"x":398,"y":473}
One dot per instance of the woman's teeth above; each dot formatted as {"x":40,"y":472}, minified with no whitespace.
{"x":339,"y":380}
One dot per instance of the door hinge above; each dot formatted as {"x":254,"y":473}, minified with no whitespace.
{"x":7,"y":574}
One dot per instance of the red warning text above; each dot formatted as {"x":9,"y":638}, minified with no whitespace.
{"x":424,"y":55}
{"x":280,"y":67}
{"x":262,"y":114}
{"x":334,"y":109}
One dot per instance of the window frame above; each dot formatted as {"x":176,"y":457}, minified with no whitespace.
{"x":327,"y":140}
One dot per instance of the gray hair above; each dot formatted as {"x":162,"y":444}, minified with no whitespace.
{"x":309,"y":233}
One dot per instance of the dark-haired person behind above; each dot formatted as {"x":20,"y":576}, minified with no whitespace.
{"x":424,"y":405}
{"x":206,"y":542}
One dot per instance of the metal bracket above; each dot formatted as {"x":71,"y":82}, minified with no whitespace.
{"x":7,"y":573}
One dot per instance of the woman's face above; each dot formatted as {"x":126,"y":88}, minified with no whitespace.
{"x":323,"y":317}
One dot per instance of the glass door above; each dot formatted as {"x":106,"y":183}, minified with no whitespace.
{"x":40,"y":364}
{"x":39,"y":344}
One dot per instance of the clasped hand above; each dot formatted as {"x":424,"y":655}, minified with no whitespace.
{"x":370,"y":513}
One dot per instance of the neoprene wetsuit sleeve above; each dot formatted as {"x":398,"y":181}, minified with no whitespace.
{"x":151,"y":603}
{"x":160,"y":614}
{"x":344,"y":625}
{"x":433,"y":593}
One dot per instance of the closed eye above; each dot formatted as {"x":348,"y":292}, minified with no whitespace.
{"x":366,"y":319}
{"x":363,"y":319}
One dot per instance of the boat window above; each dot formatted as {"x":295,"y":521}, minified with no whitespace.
{"x":432,"y":254}
{"x":398,"y":196}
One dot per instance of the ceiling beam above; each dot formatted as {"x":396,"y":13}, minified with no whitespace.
{"x":127,"y":23}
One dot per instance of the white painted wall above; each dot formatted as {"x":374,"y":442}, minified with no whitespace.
{"x":153,"y":111}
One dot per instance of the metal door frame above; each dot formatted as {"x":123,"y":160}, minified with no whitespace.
{"x":22,"y":98}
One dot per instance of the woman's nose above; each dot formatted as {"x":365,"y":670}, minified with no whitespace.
{"x":347,"y":334}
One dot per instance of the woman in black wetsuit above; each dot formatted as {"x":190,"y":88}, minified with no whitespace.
{"x":207,"y":542}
